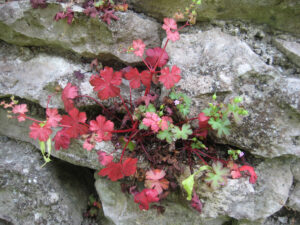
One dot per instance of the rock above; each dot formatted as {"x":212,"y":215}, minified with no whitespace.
{"x":296,"y":169}
{"x":294,"y":199}
{"x":119,"y":208}
{"x":283,"y":15}
{"x":75,"y":154}
{"x":243,"y":201}
{"x":215,"y":62}
{"x":290,"y":49}
{"x":22,"y":25}
{"x":35,"y":76}
{"x":54,"y":194}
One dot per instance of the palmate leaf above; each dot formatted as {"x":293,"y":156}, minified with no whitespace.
{"x":182,"y":133}
{"x":165,"y":135}
{"x":221,"y":125}
{"x":218,"y":175}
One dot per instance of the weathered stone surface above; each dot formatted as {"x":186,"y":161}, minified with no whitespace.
{"x":89,"y":37}
{"x":75,"y":154}
{"x":280,"y":15}
{"x":120,"y":209}
{"x":241,"y":200}
{"x":213,"y":61}
{"x":290,"y":49}
{"x":296,"y":169}
{"x":294,"y":199}
{"x":29,"y":194}
{"x":34,"y":77}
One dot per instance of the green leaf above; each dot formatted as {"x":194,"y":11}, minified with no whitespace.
{"x":99,"y":3}
{"x":182,"y":133}
{"x":214,"y":97}
{"x":151,"y":108}
{"x":198,"y":2}
{"x":143,"y":127}
{"x":218,"y":176}
{"x":42,"y":147}
{"x":188,"y":185}
{"x":165,"y":135}
{"x":220,"y":125}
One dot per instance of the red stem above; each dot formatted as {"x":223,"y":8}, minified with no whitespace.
{"x":146,"y":63}
{"x":130,"y":99}
{"x":126,"y":108}
{"x":199,"y":157}
{"x":129,"y":139}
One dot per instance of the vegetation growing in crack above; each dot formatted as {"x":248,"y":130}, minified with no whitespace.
{"x":161,"y":132}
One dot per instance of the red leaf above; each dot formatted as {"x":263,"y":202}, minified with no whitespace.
{"x":113,"y":171}
{"x":203,"y":124}
{"x":155,"y":181}
{"x":74,"y":121}
{"x":145,"y":197}
{"x":22,"y":109}
{"x":68,"y":14}
{"x":91,"y":11}
{"x":61,"y":140}
{"x":53,"y":117}
{"x":173,"y":35}
{"x":154,"y":54}
{"x":155,"y":174}
{"x":41,"y":132}
{"x":152,"y":120}
{"x":116,"y":171}
{"x":129,"y":166}
{"x":88,"y":145}
{"x":169,"y":24}
{"x":102,"y":127}
{"x":170,"y":78}
{"x":38,"y":3}
{"x":146,"y":78}
{"x":250,"y":169}
{"x":70,"y":92}
{"x":106,"y":83}
{"x":108,"y":15}
{"x":135,"y":78}
{"x":196,"y":203}
{"x":104,"y":158}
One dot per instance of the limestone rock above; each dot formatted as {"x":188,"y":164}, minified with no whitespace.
{"x":294,"y":199}
{"x":54,"y":194}
{"x":119,"y":208}
{"x":282,"y":15}
{"x":22,"y":25}
{"x":215,"y":62}
{"x":33,"y":76}
{"x":290,"y":49}
{"x":241,"y":200}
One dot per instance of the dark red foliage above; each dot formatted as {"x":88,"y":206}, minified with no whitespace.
{"x":105,"y":83}
{"x":61,"y":140}
{"x":70,"y":92}
{"x":250,"y":170}
{"x":203,"y":125}
{"x":116,"y":171}
{"x":108,"y":15}
{"x":196,"y":203}
{"x":153,"y":55}
{"x":145,"y":197}
{"x":78,"y":75}
{"x":38,"y":4}
{"x":136,"y":78}
{"x":91,"y":11}
{"x":41,"y":132}
{"x":74,"y":123}
{"x":69,"y":14}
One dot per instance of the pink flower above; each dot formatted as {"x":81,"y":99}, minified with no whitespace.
{"x":139,"y":47}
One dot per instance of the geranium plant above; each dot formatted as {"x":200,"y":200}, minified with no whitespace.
{"x":161,"y":132}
